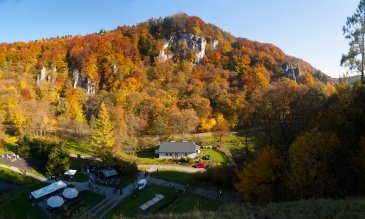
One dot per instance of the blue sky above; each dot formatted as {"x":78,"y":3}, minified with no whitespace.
{"x":308,"y":29}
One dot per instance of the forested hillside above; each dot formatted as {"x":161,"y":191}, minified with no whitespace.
{"x":179,"y":75}
{"x":150,"y":76}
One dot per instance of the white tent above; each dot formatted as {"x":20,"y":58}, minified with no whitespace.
{"x":70,"y":193}
{"x":55,"y":201}
{"x":70,"y":172}
{"x":48,"y":189}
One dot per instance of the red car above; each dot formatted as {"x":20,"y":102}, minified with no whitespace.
{"x":200,"y":165}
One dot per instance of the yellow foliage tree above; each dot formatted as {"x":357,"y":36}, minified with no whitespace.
{"x":257,"y":180}
{"x":19,"y":122}
{"x":23,"y":84}
{"x":75,"y":98}
{"x":207,"y":124}
{"x":311,"y":156}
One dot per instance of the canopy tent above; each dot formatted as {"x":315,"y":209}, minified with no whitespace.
{"x":70,"y":193}
{"x":48,"y":189}
{"x":55,"y":201}
{"x":70,"y":172}
{"x":109,"y":172}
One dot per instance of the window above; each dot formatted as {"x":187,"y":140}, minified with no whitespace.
{"x":186,"y":154}
{"x":167,"y":154}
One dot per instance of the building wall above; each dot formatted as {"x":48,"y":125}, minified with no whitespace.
{"x":176,"y":155}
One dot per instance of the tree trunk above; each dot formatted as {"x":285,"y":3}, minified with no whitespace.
{"x":362,"y":58}
{"x":362,"y":51}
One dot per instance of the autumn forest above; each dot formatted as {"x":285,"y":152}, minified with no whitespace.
{"x":179,"y":75}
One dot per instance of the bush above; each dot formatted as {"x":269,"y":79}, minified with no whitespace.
{"x":126,"y":167}
{"x":222,"y":175}
{"x":122,"y":163}
{"x":187,"y":160}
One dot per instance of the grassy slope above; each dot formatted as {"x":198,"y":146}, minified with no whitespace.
{"x":305,"y":209}
{"x":188,"y":202}
{"x":174,"y":176}
{"x":10,"y":145}
{"x":215,"y":155}
{"x":79,"y":148}
{"x":17,"y":206}
{"x":130,"y":206}
{"x":172,"y":202}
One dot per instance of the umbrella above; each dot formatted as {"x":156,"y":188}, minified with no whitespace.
{"x":55,"y":201}
{"x":70,"y":193}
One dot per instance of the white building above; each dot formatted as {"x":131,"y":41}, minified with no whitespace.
{"x":168,"y":150}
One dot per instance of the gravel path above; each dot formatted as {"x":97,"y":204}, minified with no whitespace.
{"x":37,"y":177}
{"x":154,"y":167}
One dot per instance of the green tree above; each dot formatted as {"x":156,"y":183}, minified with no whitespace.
{"x":102,"y":138}
{"x":58,"y":161}
{"x":354,"y":31}
{"x":23,"y":147}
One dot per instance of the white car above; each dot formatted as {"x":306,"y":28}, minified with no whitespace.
{"x":141,"y":184}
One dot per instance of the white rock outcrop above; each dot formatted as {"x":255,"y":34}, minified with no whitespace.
{"x":215,"y":44}
{"x":76,"y":77}
{"x":47,"y":75}
{"x":163,"y":56}
{"x":193,"y":42}
{"x":82,"y":81}
{"x":42,"y":75}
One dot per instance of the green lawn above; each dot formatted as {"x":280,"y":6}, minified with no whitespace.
{"x":215,"y":155}
{"x":188,"y":202}
{"x":174,"y":176}
{"x":72,"y":147}
{"x":79,"y":148}
{"x":185,"y":178}
{"x":233,"y":145}
{"x":231,"y":141}
{"x":130,"y":206}
{"x":147,"y":157}
{"x":173,"y":202}
{"x":10,"y":145}
{"x":17,"y":205}
{"x":144,"y":160}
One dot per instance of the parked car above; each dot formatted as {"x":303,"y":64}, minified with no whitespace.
{"x":200,"y":165}
{"x":206,"y":157}
{"x":141,"y":184}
